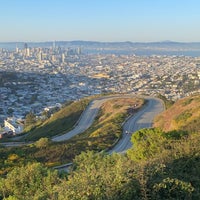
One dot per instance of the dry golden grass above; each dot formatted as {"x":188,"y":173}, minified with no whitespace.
{"x":181,"y":114}
{"x":118,"y":106}
{"x":112,"y":114}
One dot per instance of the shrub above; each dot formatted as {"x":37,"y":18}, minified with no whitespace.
{"x":172,"y":188}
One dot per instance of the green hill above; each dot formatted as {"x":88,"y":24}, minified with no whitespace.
{"x":60,"y":122}
{"x":183,"y":115}
{"x":103,"y":133}
{"x":163,"y":163}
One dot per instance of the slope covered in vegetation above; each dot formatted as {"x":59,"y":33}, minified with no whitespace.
{"x":183,"y":115}
{"x":159,"y":166}
{"x":60,"y":122}
{"x":104,"y":132}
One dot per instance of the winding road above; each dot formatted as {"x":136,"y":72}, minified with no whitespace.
{"x":85,"y":120}
{"x":142,"y":119}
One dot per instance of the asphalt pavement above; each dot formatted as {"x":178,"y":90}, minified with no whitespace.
{"x":142,"y":119}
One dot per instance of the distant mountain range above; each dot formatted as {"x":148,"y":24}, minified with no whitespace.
{"x":127,"y":47}
{"x":96,"y":43}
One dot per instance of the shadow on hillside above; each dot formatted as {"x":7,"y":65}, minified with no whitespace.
{"x":176,"y":179}
{"x":58,"y":126}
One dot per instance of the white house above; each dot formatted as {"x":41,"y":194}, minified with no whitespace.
{"x":13,"y":125}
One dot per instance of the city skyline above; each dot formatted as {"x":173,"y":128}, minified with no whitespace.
{"x":100,"y":20}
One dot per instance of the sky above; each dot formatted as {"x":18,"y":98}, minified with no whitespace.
{"x":100,"y":20}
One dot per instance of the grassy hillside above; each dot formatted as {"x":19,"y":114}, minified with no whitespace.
{"x":183,"y":115}
{"x":160,"y":165}
{"x":104,"y":132}
{"x":107,"y":127}
{"x":59,"y":122}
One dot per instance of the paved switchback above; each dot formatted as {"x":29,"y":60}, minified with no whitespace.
{"x":142,"y":119}
{"x":87,"y":117}
{"x":84,"y":122}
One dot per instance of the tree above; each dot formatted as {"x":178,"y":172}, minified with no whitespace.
{"x":30,"y":119}
{"x":45,"y":114}
{"x":42,"y":143}
{"x":146,"y":144}
{"x":172,"y":188}
{"x":32,"y":181}
{"x":100,"y":176}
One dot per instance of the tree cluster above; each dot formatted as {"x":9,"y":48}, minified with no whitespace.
{"x":159,"y":166}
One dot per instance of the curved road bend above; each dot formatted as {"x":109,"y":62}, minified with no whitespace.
{"x":87,"y":117}
{"x":142,"y":119}
{"x":84,"y":122}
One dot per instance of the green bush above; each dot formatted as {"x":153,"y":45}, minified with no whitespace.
{"x":183,"y":117}
{"x":147,"y":143}
{"x":32,"y":181}
{"x":172,"y":188}
{"x":175,"y":134}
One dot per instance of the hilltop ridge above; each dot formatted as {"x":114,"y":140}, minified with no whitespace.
{"x":183,"y":115}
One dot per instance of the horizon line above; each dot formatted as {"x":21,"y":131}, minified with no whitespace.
{"x":163,"y":41}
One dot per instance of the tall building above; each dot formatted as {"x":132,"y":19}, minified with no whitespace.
{"x":26,"y":49}
{"x":53,"y":59}
{"x":16,"y":49}
{"x":54,"y":45}
{"x":25,"y":45}
{"x":63,"y":58}
{"x":79,"y":50}
{"x":198,"y":74}
{"x":27,"y":52}
{"x":40,"y":56}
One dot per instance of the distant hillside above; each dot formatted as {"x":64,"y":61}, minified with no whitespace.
{"x":183,"y":115}
{"x":180,"y":47}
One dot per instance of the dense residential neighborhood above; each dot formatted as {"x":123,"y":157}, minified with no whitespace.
{"x":38,"y":79}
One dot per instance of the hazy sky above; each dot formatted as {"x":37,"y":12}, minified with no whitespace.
{"x":100,"y":20}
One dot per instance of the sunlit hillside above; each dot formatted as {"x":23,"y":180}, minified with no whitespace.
{"x":160,"y":165}
{"x":183,"y":115}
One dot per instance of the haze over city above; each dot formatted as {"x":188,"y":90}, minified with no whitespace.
{"x":100,"y":20}
{"x":99,"y":99}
